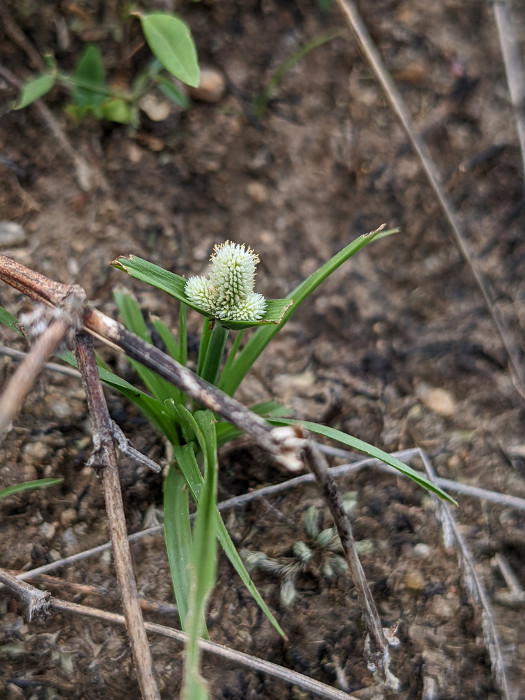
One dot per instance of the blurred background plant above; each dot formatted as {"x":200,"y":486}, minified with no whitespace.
{"x":175,"y":56}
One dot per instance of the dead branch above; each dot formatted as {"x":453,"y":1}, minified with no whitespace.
{"x":377,"y":653}
{"x":37,"y":601}
{"x":237,"y":657}
{"x":104,"y":460}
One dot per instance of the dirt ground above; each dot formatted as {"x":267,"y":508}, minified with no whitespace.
{"x":397,"y":348}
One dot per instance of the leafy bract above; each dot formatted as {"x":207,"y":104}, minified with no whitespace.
{"x":175,"y":285}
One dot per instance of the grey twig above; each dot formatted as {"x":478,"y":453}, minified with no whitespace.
{"x":50,"y":327}
{"x":473,"y":584}
{"x":377,"y":653}
{"x":37,"y":601}
{"x":127,"y":448}
{"x":392,"y":94}
{"x":309,"y":685}
{"x":104,"y":460}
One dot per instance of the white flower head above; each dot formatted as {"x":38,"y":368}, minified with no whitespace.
{"x":228,"y":292}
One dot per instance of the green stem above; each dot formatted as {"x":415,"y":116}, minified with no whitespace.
{"x":183,"y":338}
{"x":203,"y":346}
{"x":232,"y":354}
{"x":214,"y":353}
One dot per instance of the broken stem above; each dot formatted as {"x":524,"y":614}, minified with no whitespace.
{"x":104,"y":459}
{"x":36,"y":601}
{"x":23,"y":379}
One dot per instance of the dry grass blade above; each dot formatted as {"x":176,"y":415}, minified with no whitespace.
{"x":367,"y":46}
{"x":474,"y":586}
{"x":513,"y":66}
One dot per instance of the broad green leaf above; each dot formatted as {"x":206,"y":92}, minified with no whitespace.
{"x":89,"y":80}
{"x":175,"y":285}
{"x":28,"y":485}
{"x":34,"y":90}
{"x":177,"y":530}
{"x":170,"y":40}
{"x":9,"y":320}
{"x":262,"y":336}
{"x":369,"y":450}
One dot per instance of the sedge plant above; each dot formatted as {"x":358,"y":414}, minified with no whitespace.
{"x":228,"y":303}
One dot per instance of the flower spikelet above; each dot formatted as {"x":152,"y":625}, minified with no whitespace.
{"x":228,"y":292}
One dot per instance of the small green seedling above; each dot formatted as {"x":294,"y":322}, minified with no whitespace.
{"x":319,"y":556}
{"x":28,"y":486}
{"x":261,"y":102}
{"x":171,"y":43}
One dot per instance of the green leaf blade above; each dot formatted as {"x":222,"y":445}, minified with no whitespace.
{"x":260,"y":339}
{"x":169,"y":39}
{"x":369,"y":450}
{"x":34,"y":90}
{"x":28,"y":486}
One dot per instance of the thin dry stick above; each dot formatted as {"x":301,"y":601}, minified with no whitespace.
{"x":37,"y":601}
{"x":309,"y":685}
{"x":104,"y":459}
{"x":86,"y":176}
{"x":377,"y":650}
{"x":268,"y":491}
{"x":23,"y":379}
{"x":513,"y":67}
{"x":367,"y":46}
{"x":473,"y":584}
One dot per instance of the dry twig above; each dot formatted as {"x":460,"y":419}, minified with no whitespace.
{"x":451,"y":534}
{"x":104,"y":460}
{"x":392,"y":94}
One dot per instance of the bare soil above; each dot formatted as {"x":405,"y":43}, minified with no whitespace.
{"x":397,"y":348}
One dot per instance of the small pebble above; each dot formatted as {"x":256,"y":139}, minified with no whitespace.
{"x":257,"y":191}
{"x":11,"y":234}
{"x":35,"y":452}
{"x":212,"y":86}
{"x":422,"y":550}
{"x":29,"y":473}
{"x":61,"y":409}
{"x":157,"y":109}
{"x":68,"y":517}
{"x":438,"y":400}
{"x":414,"y":580}
{"x":69,"y":542}
{"x":47,"y":530}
